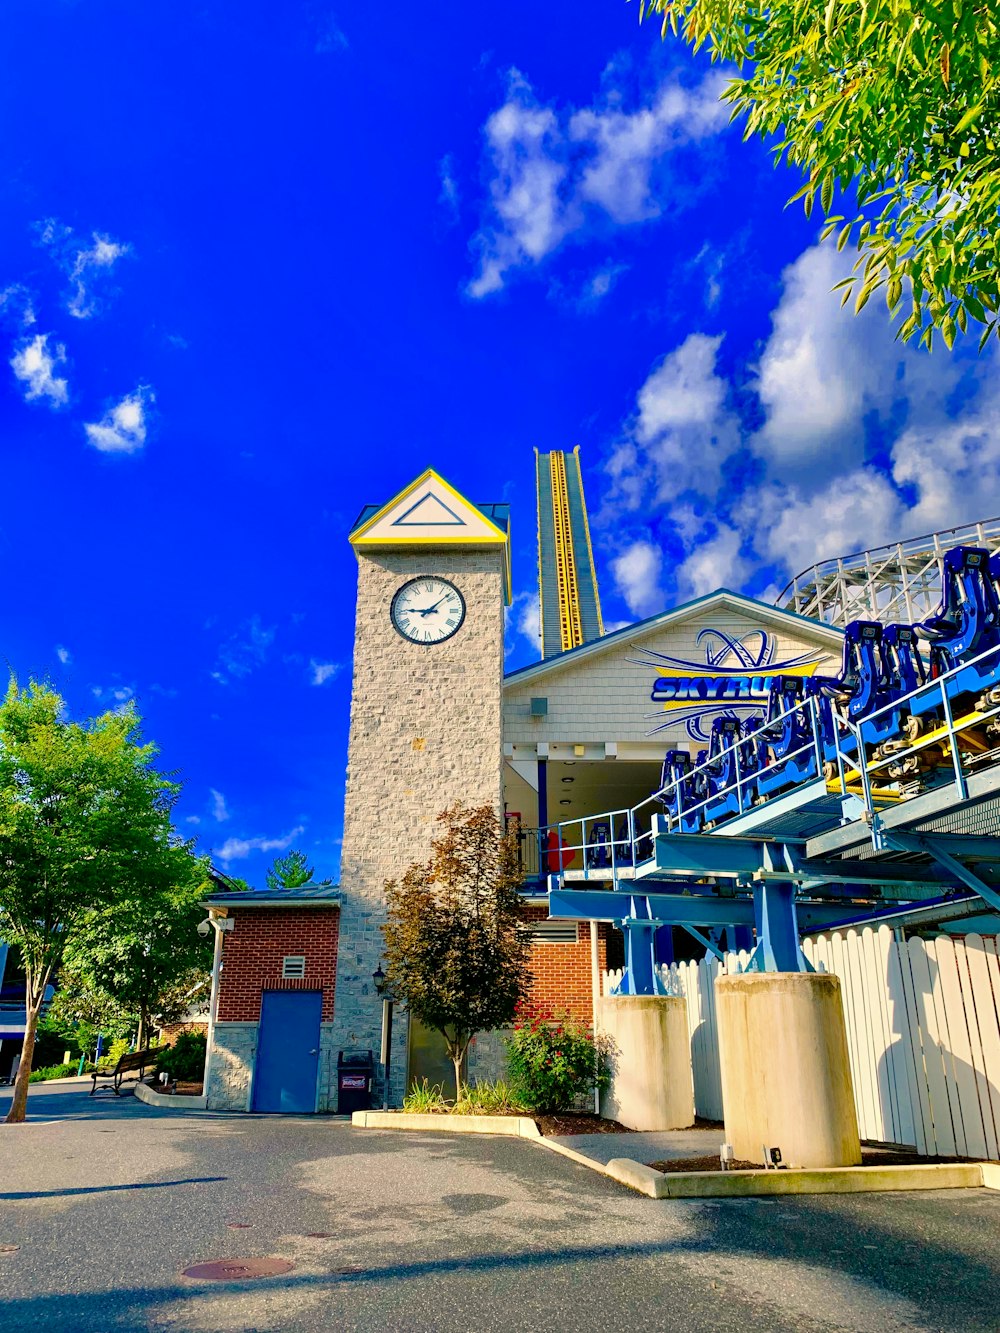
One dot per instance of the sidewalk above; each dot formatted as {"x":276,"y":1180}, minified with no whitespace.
{"x":675,"y":1144}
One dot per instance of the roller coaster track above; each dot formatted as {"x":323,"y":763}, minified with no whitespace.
{"x":900,"y":582}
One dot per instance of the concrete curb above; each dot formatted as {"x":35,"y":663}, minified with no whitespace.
{"x":830,"y":1180}
{"x":144,"y":1093}
{"x":698,"y":1184}
{"x":520,"y":1126}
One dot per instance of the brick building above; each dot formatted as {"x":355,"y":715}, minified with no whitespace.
{"x":435,"y":720}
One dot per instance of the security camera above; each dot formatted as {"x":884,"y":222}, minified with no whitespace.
{"x":204,"y":928}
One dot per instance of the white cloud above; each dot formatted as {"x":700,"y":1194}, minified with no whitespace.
{"x":599,"y":284}
{"x":523,"y":617}
{"x":17,"y":305}
{"x":323,"y":671}
{"x":64,"y":655}
{"x":102,"y":254}
{"x":193,"y":819}
{"x":122,"y":429}
{"x":244,"y":651}
{"x":683,"y":432}
{"x":553,"y":174}
{"x":331,"y":37}
{"x":713,"y":563}
{"x":35,"y":365}
{"x":863,"y":442}
{"x":237,"y":849}
{"x":525,"y":144}
{"x":952,"y":468}
{"x":624,"y":146}
{"x":637,"y":577}
{"x":854,"y":511}
{"x":449,"y":196}
{"x":83,"y":263}
{"x":219,"y":811}
{"x":115,"y":697}
{"x":823,"y":369}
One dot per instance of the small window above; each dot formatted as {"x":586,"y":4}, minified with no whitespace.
{"x":293,"y":968}
{"x":553,"y":932}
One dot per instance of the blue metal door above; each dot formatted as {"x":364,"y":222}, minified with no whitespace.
{"x":288,"y":1051}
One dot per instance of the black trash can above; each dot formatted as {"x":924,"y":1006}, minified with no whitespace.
{"x":355,"y":1073}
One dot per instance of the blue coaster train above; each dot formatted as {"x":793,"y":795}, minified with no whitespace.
{"x":881,"y":704}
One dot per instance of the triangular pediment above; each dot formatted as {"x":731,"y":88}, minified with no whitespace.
{"x":427,"y":512}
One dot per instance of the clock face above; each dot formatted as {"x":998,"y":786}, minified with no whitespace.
{"x":428,"y":610}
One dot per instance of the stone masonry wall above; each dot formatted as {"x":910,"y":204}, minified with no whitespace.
{"x":231,"y":1066}
{"x":425,"y":733}
{"x":252,"y":954}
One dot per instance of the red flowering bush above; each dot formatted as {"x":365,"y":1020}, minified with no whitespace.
{"x":553,"y":1059}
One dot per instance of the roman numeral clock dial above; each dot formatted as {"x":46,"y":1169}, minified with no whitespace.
{"x":427,"y":610}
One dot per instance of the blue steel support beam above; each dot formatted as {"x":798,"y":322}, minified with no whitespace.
{"x":938,"y":847}
{"x":682,"y":909}
{"x":777,"y":931}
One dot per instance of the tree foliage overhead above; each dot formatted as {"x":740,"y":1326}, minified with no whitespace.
{"x":84,"y":829}
{"x":899,"y":99}
{"x":455,"y":948}
{"x":289,"y":872}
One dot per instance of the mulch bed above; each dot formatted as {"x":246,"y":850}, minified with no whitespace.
{"x":179,"y":1089}
{"x":869,"y":1157}
{"x":710,"y":1163}
{"x":584,"y":1123}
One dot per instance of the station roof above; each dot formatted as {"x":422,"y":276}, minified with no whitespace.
{"x":308,"y":895}
{"x":721,"y":598}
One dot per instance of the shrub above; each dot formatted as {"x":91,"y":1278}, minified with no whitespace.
{"x":424,"y":1097}
{"x":553,"y":1059}
{"x":487,"y":1098}
{"x":50,"y":1072}
{"x":185,"y":1060}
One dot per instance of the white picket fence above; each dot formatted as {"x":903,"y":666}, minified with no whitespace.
{"x":923,"y":1032}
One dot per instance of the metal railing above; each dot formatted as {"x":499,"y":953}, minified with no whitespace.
{"x":629,"y":843}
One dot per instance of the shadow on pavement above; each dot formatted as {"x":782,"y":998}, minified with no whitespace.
{"x":110,"y":1189}
{"x":951,"y":1287}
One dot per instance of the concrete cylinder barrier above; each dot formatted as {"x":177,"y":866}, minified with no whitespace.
{"x":650,"y":1055}
{"x":786,"y":1075}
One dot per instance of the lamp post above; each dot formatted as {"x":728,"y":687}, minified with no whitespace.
{"x":382,"y":990}
{"x":220,"y":924}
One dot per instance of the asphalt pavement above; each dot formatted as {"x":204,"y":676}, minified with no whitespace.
{"x":109,"y":1200}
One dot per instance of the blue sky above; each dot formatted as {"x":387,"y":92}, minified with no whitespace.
{"x":260,"y":265}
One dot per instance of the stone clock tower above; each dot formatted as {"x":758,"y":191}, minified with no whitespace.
{"x":433,"y":579}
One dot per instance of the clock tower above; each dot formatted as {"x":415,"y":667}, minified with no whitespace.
{"x":433,"y":579}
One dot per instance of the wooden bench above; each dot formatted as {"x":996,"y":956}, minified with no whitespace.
{"x":132,"y":1062}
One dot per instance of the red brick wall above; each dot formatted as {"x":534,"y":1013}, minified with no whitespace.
{"x":169,"y":1034}
{"x":560,"y":973}
{"x":253,"y":951}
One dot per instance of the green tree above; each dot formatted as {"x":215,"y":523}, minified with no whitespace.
{"x":143,"y":951}
{"x":84,"y":827}
{"x":289,"y":872}
{"x":455,"y":948}
{"x":899,"y":99}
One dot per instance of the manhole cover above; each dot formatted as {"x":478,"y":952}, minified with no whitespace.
{"x":230,"y":1270}
{"x":9,"y":1249}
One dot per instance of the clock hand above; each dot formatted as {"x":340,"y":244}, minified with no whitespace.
{"x":426,"y":612}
